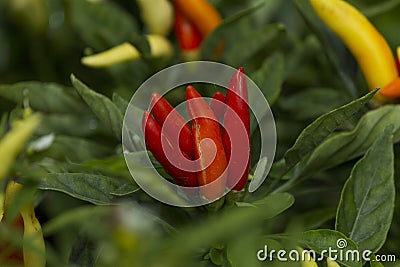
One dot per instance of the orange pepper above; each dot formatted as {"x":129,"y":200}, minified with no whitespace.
{"x":201,"y":13}
{"x":392,"y":89}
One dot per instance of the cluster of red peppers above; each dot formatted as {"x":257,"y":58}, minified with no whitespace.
{"x":204,"y":125}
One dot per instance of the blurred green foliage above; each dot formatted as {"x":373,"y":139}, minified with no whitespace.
{"x":92,"y":212}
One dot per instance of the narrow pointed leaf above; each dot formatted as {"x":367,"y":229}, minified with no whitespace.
{"x":96,"y":189}
{"x":32,"y":93}
{"x":321,"y":128}
{"x":344,"y":146}
{"x":366,"y":206}
{"x":102,"y":106}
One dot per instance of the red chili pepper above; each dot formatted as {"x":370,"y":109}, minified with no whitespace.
{"x":15,"y":255}
{"x":153,"y":139}
{"x":161,"y":109}
{"x":218,"y":107}
{"x":236,"y":99}
{"x":188,"y":35}
{"x":201,"y":13}
{"x":205,"y":126}
{"x":398,"y":65}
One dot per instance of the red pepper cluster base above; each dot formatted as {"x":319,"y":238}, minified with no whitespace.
{"x":167,"y":131}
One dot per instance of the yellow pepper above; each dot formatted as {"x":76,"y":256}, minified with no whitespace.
{"x":157,"y":15}
{"x":33,"y":248}
{"x":13,"y":142}
{"x":160,"y":47}
{"x":117,"y":54}
{"x":331,"y":263}
{"x":307,"y":261}
{"x":10,"y":146}
{"x":31,"y":15}
{"x":368,"y":46}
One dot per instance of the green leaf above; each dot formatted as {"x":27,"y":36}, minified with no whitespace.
{"x":269,"y":77}
{"x":3,"y":124}
{"x":120,"y":102}
{"x":66,"y":124}
{"x":102,"y":106}
{"x":74,"y":149}
{"x":112,"y":166}
{"x":380,"y":9}
{"x":210,"y":44}
{"x":313,"y":102}
{"x":321,"y":128}
{"x":95,"y":189}
{"x":366,"y":206}
{"x":259,"y":40}
{"x":126,"y":189}
{"x":102,"y":24}
{"x":345,"y":146}
{"x":327,"y":240}
{"x":58,"y":99}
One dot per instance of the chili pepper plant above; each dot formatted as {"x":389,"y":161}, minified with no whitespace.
{"x":329,"y":70}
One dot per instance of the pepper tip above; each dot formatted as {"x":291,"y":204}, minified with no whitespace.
{"x":392,"y":89}
{"x":191,"y":92}
{"x":155,"y":97}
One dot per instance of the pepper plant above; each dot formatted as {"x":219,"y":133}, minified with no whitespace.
{"x":68,"y":69}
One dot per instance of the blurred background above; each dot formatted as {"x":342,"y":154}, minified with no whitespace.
{"x":303,"y":76}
